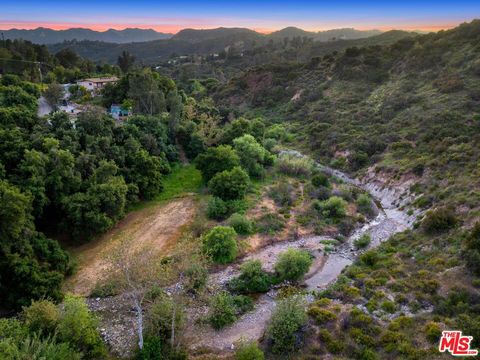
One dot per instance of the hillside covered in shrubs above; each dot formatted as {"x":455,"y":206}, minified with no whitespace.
{"x":405,"y":113}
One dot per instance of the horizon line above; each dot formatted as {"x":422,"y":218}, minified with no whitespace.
{"x":162,"y":29}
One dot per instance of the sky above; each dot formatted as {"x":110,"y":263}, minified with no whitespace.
{"x":264,"y":16}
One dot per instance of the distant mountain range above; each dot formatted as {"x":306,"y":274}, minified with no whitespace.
{"x":49,"y":36}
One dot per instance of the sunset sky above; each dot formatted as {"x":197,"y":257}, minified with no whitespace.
{"x":264,"y":16}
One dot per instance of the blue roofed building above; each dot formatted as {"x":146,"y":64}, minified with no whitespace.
{"x":119,"y":113}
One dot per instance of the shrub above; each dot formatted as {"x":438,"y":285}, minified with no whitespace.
{"x":320,"y":180}
{"x":364,"y":204}
{"x":35,"y":346}
{"x":439,"y":220}
{"x":472,"y":251}
{"x":321,"y":193}
{"x":224,"y":309}
{"x":332,"y":345}
{"x":388,"y":306}
{"x":370,"y":258}
{"x":158,"y":320}
{"x":358,"y":160}
{"x":155,"y":348}
{"x":433,"y":332}
{"x":294,"y":165}
{"x":196,"y":277}
{"x":41,"y":316}
{"x":334,"y":207}
{"x":270,"y":223}
{"x":79,"y":328}
{"x":241,"y":224}
{"x":368,"y":354}
{"x":252,"y":154}
{"x":252,"y":279}
{"x":293,"y":264}
{"x":216,"y":208}
{"x":287,"y":320}
{"x":105,"y":289}
{"x":277,"y":132}
{"x":320,"y":315}
{"x":230,"y":184}
{"x":269,"y":144}
{"x":152,"y":348}
{"x":363,"y":241}
{"x":220,"y":244}
{"x":237,"y":206}
{"x":283,"y":194}
{"x":249,"y":351}
{"x":242,"y":304}
{"x":346,"y":226}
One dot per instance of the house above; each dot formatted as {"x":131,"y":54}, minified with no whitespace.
{"x":95,"y":84}
{"x":118,"y":113}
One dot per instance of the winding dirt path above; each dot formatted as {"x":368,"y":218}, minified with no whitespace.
{"x":157,"y":227}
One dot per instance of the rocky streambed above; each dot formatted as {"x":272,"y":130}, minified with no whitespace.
{"x":390,"y":219}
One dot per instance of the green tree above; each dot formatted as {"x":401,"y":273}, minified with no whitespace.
{"x":33,"y":170}
{"x":222,"y":310}
{"x":68,"y":58}
{"x":293,"y":264}
{"x":175,"y":114}
{"x":334,"y":207}
{"x":217,"y":208}
{"x":252,"y":154}
{"x":53,"y":95}
{"x":96,"y":210}
{"x":125,"y":61}
{"x":146,"y":93}
{"x":158,"y":320}
{"x":41,"y":316}
{"x":252,"y":279}
{"x":12,"y":96}
{"x":236,"y":129}
{"x":146,"y":172}
{"x":217,"y":159}
{"x":230,"y":184}
{"x":284,"y":329}
{"x":35,"y":265}
{"x":220,"y":244}
{"x":79,"y":328}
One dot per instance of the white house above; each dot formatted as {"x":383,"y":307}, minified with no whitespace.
{"x":95,"y":84}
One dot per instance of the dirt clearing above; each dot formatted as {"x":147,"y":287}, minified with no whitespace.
{"x":156,"y":228}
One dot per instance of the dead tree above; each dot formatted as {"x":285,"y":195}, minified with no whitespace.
{"x":138,"y":272}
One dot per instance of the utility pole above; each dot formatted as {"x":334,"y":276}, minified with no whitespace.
{"x":40,"y":71}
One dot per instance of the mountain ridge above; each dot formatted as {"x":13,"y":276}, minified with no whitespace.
{"x":47,"y":36}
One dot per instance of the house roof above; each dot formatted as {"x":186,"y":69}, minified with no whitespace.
{"x":101,"y":80}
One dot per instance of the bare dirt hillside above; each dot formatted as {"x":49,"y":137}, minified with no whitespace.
{"x":157,"y":228}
